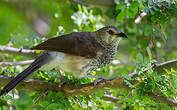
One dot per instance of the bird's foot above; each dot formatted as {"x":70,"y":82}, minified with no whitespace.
{"x":100,"y":80}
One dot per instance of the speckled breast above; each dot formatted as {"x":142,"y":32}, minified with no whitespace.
{"x":102,"y":60}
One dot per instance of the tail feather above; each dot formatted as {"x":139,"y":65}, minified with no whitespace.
{"x":40,"y":61}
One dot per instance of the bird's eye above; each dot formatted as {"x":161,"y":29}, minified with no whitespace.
{"x":110,"y":32}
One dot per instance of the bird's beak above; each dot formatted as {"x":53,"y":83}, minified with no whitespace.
{"x":122,"y":35}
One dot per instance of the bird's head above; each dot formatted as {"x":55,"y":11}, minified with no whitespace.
{"x":110,"y":35}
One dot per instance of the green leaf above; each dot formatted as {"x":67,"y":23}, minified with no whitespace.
{"x":149,"y":52}
{"x":121,"y":15}
{"x":131,"y":13}
{"x":120,"y":7}
{"x":139,"y":57}
{"x":148,"y":30}
{"x":8,"y":23}
{"x":99,"y":94}
{"x":152,"y":11}
{"x":135,"y":4}
{"x":163,"y":30}
{"x":52,"y":106}
{"x":133,"y":9}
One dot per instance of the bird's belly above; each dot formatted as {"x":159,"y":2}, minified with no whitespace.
{"x":67,"y":63}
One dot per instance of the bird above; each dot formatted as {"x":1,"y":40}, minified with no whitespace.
{"x":78,"y":52}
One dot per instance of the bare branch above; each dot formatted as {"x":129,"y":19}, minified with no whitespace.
{"x":67,"y":89}
{"x":160,"y":68}
{"x":78,"y":89}
{"x":16,"y":63}
{"x":117,"y":62}
{"x":112,"y":99}
{"x":163,"y":99}
{"x":153,"y":96}
{"x":24,"y":52}
{"x":140,"y":17}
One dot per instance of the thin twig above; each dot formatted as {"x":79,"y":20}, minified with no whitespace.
{"x":140,"y":17}
{"x":112,"y":99}
{"x":117,"y":62}
{"x":163,"y":99}
{"x":77,"y":89}
{"x":24,"y":52}
{"x":16,"y":63}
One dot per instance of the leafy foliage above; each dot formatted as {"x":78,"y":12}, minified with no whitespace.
{"x":152,"y":39}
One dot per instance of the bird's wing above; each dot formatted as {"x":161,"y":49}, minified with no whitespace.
{"x":77,"y":43}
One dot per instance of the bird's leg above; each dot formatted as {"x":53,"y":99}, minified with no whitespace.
{"x":61,"y":75}
{"x":61,"y":78}
{"x":99,"y":80}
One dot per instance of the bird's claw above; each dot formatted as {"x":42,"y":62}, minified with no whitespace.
{"x":95,"y":82}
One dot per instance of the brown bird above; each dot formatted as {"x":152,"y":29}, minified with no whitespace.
{"x":77,"y":52}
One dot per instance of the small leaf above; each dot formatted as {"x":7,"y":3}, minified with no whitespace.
{"x":148,"y":30}
{"x":172,"y":70}
{"x":163,"y":30}
{"x":99,"y":94}
{"x":120,"y":6}
{"x":149,"y":53}
{"x":151,"y":11}
{"x":135,"y":5}
{"x":52,"y":106}
{"x":168,"y":71}
{"x":79,"y":7}
{"x":139,"y":57}
{"x":121,"y":15}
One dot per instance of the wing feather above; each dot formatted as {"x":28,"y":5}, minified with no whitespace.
{"x":77,"y":43}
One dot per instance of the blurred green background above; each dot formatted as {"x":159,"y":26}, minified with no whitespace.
{"x":150,"y":24}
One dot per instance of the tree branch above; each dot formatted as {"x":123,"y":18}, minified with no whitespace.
{"x":153,"y":96}
{"x":67,"y":89}
{"x":114,"y":62}
{"x":24,"y":52}
{"x":112,"y":99}
{"x":160,"y":68}
{"x":163,"y":99}
{"x":117,"y":62}
{"x":78,"y":89}
{"x":140,"y":17}
{"x":16,"y":63}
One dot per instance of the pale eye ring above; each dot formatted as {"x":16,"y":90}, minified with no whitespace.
{"x":110,"y":32}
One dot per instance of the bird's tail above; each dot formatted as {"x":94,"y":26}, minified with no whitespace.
{"x":40,"y":61}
